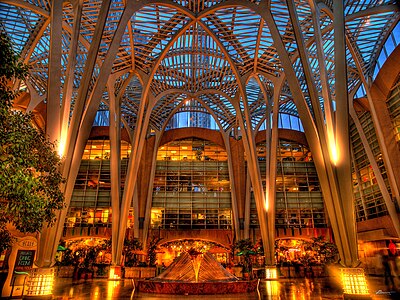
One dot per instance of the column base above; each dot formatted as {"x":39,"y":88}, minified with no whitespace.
{"x":115,"y":273}
{"x":271,"y":273}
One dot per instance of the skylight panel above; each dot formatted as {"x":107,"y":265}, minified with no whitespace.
{"x":391,"y":43}
{"x":155,"y":25}
{"x":237,"y":28}
{"x":18,"y":23}
{"x":281,"y":17}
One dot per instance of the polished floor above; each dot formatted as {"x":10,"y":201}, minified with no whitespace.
{"x":293,"y":289}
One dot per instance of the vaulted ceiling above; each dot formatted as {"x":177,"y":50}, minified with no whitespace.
{"x":218,"y":57}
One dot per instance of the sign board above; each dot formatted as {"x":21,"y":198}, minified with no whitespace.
{"x":24,"y":260}
{"x":21,"y":260}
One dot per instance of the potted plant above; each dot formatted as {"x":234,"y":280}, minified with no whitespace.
{"x":132,"y":248}
{"x":86,"y":267}
{"x":327,"y":253}
{"x":152,"y":248}
{"x":101,"y":266}
{"x":246,"y":250}
{"x":67,"y":264}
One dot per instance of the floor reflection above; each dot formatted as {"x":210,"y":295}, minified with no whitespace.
{"x":283,"y":289}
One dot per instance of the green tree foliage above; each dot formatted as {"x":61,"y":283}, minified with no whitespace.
{"x":151,"y":250}
{"x":246,"y":249}
{"x":130,"y":246}
{"x":328,"y":252}
{"x":29,"y":165}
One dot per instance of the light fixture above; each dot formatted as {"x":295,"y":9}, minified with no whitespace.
{"x":41,"y":283}
{"x":354,"y":283}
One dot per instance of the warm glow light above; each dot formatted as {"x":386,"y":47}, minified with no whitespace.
{"x":266,"y":199}
{"x":96,"y":293}
{"x":333,"y":151}
{"x":270,"y":273}
{"x":41,"y":282}
{"x":111,"y":286}
{"x":354,"y":282}
{"x":173,"y":151}
{"x":184,"y":147}
{"x":272,"y":288}
{"x":115,"y":273}
{"x":61,"y":146}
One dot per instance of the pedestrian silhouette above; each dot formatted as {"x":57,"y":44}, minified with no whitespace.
{"x":389,"y":281}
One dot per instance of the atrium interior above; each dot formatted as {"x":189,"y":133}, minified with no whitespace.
{"x":266,"y":133}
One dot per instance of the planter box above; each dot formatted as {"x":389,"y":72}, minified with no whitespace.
{"x":66,"y":271}
{"x":318,"y":271}
{"x":140,"y":272}
{"x":237,"y":271}
{"x":101,"y":272}
{"x":287,"y":271}
{"x":86,"y":275}
{"x":132,"y":272}
{"x":148,"y":272}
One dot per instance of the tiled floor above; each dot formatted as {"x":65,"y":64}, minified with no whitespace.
{"x":293,"y":289}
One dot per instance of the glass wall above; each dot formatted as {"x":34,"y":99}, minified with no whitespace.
{"x":368,"y":197}
{"x":191,"y":186}
{"x":299,"y":201}
{"x":91,"y":200}
{"x":393,"y":104}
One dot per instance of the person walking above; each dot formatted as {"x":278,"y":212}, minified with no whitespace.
{"x":387,"y":272}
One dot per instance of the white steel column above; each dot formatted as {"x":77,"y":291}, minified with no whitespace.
{"x":79,"y":131}
{"x":247,"y":207}
{"x":115,"y":165}
{"x":44,"y":256}
{"x":271,"y":169}
{"x":147,"y":214}
{"x":342,"y":128}
{"x":317,"y":141}
{"x":70,"y":75}
{"x":235,"y":213}
{"x":255,"y":176}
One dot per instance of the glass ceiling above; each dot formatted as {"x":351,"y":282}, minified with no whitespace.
{"x":220,"y":54}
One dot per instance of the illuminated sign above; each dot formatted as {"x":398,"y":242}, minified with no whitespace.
{"x":24,"y":260}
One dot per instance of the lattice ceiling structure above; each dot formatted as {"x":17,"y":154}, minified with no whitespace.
{"x":220,"y":55}
{"x":242,"y":62}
